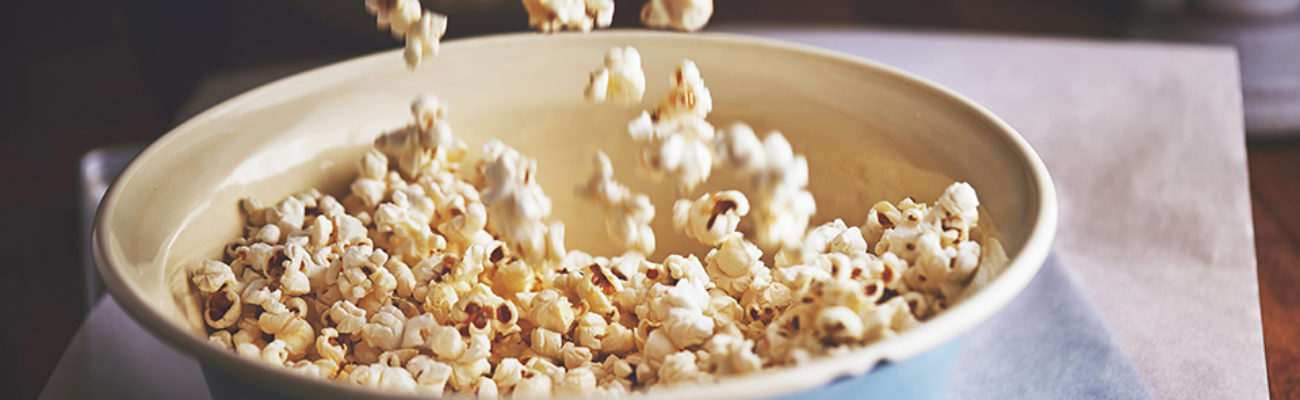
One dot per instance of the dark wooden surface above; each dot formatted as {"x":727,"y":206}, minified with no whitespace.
{"x":81,"y":74}
{"x":1275,"y":195}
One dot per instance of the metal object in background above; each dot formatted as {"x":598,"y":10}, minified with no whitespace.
{"x":98,"y":169}
{"x":1266,"y":34}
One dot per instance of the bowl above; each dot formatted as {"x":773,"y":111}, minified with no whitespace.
{"x":871,"y":132}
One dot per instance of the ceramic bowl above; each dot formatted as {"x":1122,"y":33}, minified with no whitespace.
{"x":871,"y":132}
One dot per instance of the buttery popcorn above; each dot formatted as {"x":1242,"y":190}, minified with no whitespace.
{"x":711,"y":217}
{"x":422,"y":29}
{"x":682,"y":15}
{"x":550,"y":16}
{"x":620,"y":79}
{"x":433,"y":279}
{"x":627,"y":214}
{"x":675,"y":140}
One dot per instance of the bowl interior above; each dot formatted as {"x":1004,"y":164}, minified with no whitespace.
{"x":870,"y":134}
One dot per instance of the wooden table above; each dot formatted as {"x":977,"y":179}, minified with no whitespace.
{"x":1275,"y":195}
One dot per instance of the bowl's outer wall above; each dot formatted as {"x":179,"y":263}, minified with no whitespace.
{"x":924,"y":377}
{"x":869,"y":135}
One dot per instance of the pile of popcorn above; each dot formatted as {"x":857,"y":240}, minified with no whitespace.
{"x":438,"y":273}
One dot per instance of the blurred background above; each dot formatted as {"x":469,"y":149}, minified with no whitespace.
{"x":79,"y":75}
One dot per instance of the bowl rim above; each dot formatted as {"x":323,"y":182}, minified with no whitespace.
{"x":955,"y":321}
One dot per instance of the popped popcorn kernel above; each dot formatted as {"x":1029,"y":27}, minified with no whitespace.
{"x":551,"y":16}
{"x":422,"y":30}
{"x":682,"y":15}
{"x":711,"y":217}
{"x":620,"y":79}
{"x":627,"y":214}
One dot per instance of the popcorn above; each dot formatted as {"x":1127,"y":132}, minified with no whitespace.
{"x":212,"y":276}
{"x":784,"y":203}
{"x":421,"y":30}
{"x":738,"y":147}
{"x":550,"y":16}
{"x":959,"y":204}
{"x":289,"y":328}
{"x":446,"y":343}
{"x":385,"y":329}
{"x":329,"y":347}
{"x":349,"y":230}
{"x":682,"y":15}
{"x":620,"y":79}
{"x":732,"y":354}
{"x":578,"y":381}
{"x":627,"y":214}
{"x":516,"y":200}
{"x":430,"y":376}
{"x":347,"y":316}
{"x":287,"y":215}
{"x":687,"y":96}
{"x":832,"y":237}
{"x":319,"y":368}
{"x":549,"y":310}
{"x":675,"y":140}
{"x":275,"y":353}
{"x":487,"y":389}
{"x":465,"y":375}
{"x":423,"y":38}
{"x":680,"y":368}
{"x":419,"y":283}
{"x":426,"y":147}
{"x":394,"y":379}
{"x":509,"y":372}
{"x":222,"y":339}
{"x":734,"y":265}
{"x":269,"y":234}
{"x":536,"y":386}
{"x":712,"y":217}
{"x":575,"y":356}
{"x":222,"y":308}
{"x":839,"y":325}
{"x":590,"y":330}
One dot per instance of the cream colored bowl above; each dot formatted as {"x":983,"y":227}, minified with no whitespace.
{"x":871,"y":132}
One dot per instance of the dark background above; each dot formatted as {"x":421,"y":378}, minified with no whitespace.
{"x":77,"y":75}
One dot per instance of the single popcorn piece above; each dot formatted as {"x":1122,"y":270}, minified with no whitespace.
{"x":682,"y":15}
{"x":678,"y":149}
{"x":710,"y":218}
{"x":516,"y":203}
{"x":422,"y":40}
{"x":686,"y":96}
{"x":627,"y":214}
{"x":348,"y":317}
{"x":784,"y":204}
{"x":620,"y":79}
{"x":422,"y":30}
{"x":675,"y":140}
{"x":222,"y":308}
{"x":738,"y":147}
{"x":425,"y":147}
{"x":213,"y":275}
{"x":385,"y":328}
{"x":735,"y":265}
{"x":550,"y":16}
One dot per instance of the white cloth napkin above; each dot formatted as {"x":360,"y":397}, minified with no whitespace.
{"x":1048,"y":343}
{"x":1144,"y":142}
